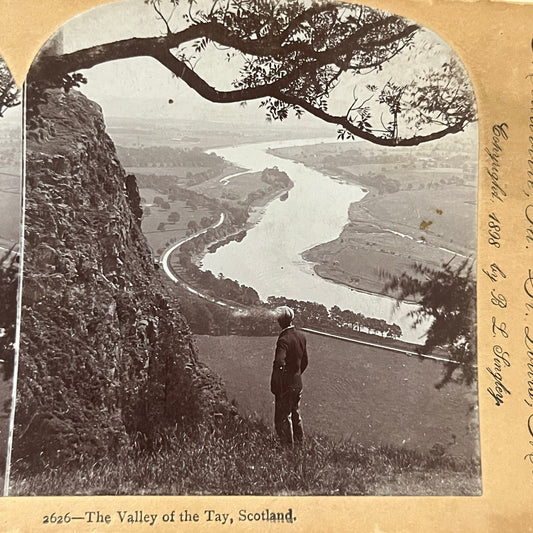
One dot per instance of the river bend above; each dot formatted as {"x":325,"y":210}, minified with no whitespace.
{"x":269,"y":258}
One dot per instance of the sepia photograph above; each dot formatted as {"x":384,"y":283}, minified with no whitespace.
{"x":248,"y":255}
{"x":10,"y":227}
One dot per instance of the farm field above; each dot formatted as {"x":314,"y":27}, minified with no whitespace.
{"x":237,"y":188}
{"x":139,"y":132}
{"x":182,"y":175}
{"x":158,"y":239}
{"x":420,"y":207}
{"x":246,"y":188}
{"x":447,"y":215}
{"x":372,"y":396}
{"x":434,"y":226}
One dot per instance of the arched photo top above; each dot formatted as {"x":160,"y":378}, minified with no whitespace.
{"x":191,"y":167}
{"x":374,"y":75}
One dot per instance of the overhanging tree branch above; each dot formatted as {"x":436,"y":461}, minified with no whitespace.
{"x":275,"y":90}
{"x":54,"y":66}
{"x":291,"y":56}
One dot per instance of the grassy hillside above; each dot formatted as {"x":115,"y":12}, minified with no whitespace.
{"x":372,"y":396}
{"x":241,"y":456}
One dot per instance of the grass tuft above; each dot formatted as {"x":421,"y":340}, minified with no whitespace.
{"x":241,"y":456}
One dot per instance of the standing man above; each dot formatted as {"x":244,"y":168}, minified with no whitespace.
{"x":286,"y":382}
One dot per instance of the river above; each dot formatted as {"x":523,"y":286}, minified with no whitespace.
{"x":269,"y":257}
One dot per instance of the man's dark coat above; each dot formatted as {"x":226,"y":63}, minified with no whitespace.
{"x":289,"y":362}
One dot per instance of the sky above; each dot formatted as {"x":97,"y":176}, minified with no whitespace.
{"x":142,"y":88}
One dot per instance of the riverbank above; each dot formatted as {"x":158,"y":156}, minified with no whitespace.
{"x":183,"y":209}
{"x":253,"y":218}
{"x":370,"y":249}
{"x":255,"y":206}
{"x":410,"y":214}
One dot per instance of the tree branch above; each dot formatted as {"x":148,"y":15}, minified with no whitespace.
{"x":363,"y":134}
{"x":57,"y":66}
{"x":275,"y":90}
{"x":297,"y":60}
{"x":199,"y":85}
{"x":162,"y":17}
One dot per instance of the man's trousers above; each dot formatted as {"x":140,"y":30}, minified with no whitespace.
{"x":287,"y":420}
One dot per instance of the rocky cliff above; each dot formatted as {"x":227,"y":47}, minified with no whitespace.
{"x":103,"y":357}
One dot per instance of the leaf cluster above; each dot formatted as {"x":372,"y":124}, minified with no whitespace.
{"x":296,"y":57}
{"x":9,"y":92}
{"x":447,"y":298}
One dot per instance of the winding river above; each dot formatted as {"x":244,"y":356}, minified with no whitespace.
{"x":269,"y":257}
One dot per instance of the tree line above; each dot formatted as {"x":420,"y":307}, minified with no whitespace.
{"x":310,"y":314}
{"x":256,"y":318}
{"x":167,"y":156}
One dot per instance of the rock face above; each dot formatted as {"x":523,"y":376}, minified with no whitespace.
{"x":103,"y":357}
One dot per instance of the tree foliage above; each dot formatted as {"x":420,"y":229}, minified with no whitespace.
{"x":9,"y":92}
{"x":292,"y":56}
{"x":447,"y":297}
